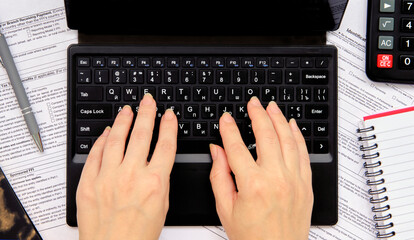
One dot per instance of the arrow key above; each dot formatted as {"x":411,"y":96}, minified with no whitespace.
{"x":387,"y":6}
{"x":305,"y":128}
{"x":320,"y":146}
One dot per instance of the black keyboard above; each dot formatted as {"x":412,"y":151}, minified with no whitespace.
{"x":200,"y":84}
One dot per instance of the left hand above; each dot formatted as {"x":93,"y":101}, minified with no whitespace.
{"x":122,"y":196}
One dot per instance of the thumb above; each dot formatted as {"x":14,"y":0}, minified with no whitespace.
{"x":221,"y":181}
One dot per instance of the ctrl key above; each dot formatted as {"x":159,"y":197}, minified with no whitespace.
{"x":83,"y":146}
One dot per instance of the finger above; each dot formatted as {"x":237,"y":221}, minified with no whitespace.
{"x":94,"y":160}
{"x":222,"y":183}
{"x":115,"y":143}
{"x":267,"y":142}
{"x":166,"y":147}
{"x":287,"y":141}
{"x":140,"y":139}
{"x":239,"y":158}
{"x":304,"y":161}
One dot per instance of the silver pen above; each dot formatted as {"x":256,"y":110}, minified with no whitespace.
{"x":7,"y":61}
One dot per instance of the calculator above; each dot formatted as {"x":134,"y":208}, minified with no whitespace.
{"x":390,"y":41}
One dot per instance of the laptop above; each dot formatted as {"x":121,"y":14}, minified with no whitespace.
{"x":207,"y":59}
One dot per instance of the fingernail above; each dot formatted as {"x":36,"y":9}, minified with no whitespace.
{"x":147,"y":99}
{"x":169,"y":114}
{"x":213,"y":150}
{"x":126,"y":110}
{"x":273,"y":107}
{"x":255,"y":101}
{"x":293,"y":125}
{"x":106,"y":131}
{"x":227,"y":117}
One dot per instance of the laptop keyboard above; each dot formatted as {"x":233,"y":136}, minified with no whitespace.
{"x":200,"y":84}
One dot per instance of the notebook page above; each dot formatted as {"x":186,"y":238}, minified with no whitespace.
{"x":394,"y":135}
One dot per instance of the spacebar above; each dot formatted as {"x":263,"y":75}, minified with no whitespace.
{"x":194,"y":146}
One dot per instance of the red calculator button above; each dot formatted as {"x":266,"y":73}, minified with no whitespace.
{"x":384,"y":61}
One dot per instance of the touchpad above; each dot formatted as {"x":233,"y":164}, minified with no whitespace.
{"x":191,"y":197}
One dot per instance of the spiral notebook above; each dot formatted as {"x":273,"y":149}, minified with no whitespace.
{"x":387,"y":143}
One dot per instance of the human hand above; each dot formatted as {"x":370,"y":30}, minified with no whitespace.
{"x":122,"y":196}
{"x":274,"y":195}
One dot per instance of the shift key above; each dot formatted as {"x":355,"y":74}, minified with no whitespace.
{"x":94,"y":111}
{"x":91,"y":128}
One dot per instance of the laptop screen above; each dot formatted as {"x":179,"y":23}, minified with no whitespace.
{"x":204,"y":18}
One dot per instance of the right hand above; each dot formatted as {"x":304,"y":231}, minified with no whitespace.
{"x":274,"y":195}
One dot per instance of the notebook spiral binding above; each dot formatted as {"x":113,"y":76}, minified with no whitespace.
{"x":372,"y":164}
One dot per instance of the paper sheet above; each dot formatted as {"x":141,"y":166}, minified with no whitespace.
{"x":37,"y":34}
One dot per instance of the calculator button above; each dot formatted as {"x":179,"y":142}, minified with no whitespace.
{"x":407,"y":25}
{"x":387,"y":6}
{"x":406,"y":62}
{"x":407,"y":43}
{"x":386,"y":24}
{"x":386,"y":42}
{"x":384,"y":61}
{"x":408,"y":6}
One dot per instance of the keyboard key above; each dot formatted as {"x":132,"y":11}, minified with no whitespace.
{"x":83,"y":62}
{"x":320,"y":129}
{"x":262,"y":62}
{"x":233,"y":62}
{"x":241,"y":112}
{"x":188,"y":62}
{"x":208,"y":112}
{"x":98,"y":62}
{"x":206,"y":77}
{"x":257,"y":77}
{"x":113,"y":62}
{"x":247,"y":63}
{"x":119,"y":76}
{"x":286,"y":94}
{"x":130,"y":94}
{"x":200,"y":129}
{"x":171,"y":76}
{"x":218,"y":63}
{"x":176,"y":108}
{"x":113,"y":93}
{"x":173,"y":62}
{"x":235,"y":94}
{"x":136,"y":76}
{"x":83,"y":146}
{"x":188,"y":76}
{"x":320,"y":146}
{"x":158,"y":62}
{"x":223,"y":76}
{"x":277,"y":62}
{"x":184,"y":129}
{"x":292,"y":62}
{"x":217,"y":94}
{"x":165,"y":94}
{"x":183,"y":94}
{"x":305,"y":128}
{"x":154,"y":76}
{"x":203,"y":62}
{"x":191,"y":111}
{"x":200,"y":94}
{"x":275,"y":77}
{"x":88,"y":128}
{"x":90,"y":93}
{"x":316,"y":111}
{"x":143,"y":62}
{"x":292,"y":76}
{"x":269,"y":94}
{"x":84,"y":76}
{"x":307,"y":62}
{"x":128,"y":62}
{"x":251,"y":92}
{"x":102,"y":76}
{"x":94,"y":111}
{"x":294,"y":111}
{"x":240,"y":76}
{"x":225,"y":108}
{"x":320,"y":94}
{"x":315,"y":77}
{"x":322,"y":62}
